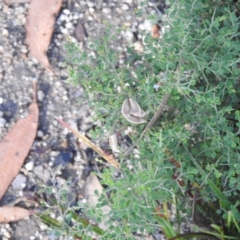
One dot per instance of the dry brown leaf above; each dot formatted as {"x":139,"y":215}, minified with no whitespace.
{"x":92,"y":183}
{"x":9,"y":2}
{"x":12,"y":214}
{"x":16,"y":144}
{"x":80,"y":32}
{"x":39,"y":28}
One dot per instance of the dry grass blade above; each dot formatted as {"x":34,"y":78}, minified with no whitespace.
{"x":16,"y":144}
{"x":108,"y":158}
{"x":39,"y":28}
{"x":12,"y":214}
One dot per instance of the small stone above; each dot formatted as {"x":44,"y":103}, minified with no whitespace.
{"x":2,"y":122}
{"x":40,"y":133}
{"x":138,"y":46}
{"x":7,"y":234}
{"x":1,"y":113}
{"x":40,"y":96}
{"x":29,"y":166}
{"x":63,"y":158}
{"x":129,"y":36}
{"x":69,"y":25}
{"x":125,"y":7}
{"x":1,"y":49}
{"x":62,"y":18}
{"x":90,"y":18}
{"x":75,"y":16}
{"x":106,"y":10}
{"x":91,"y":4}
{"x":5,"y":32}
{"x":24,"y":49}
{"x":65,"y":98}
{"x":66,"y":11}
{"x":91,"y":10}
{"x":42,"y":173}
{"x":5,"y":9}
{"x":1,"y":100}
{"x":64,"y":30}
{"x":19,"y":182}
{"x":128,"y":1}
{"x":146,"y":25}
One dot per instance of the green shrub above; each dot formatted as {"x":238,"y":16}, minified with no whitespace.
{"x":197,"y":63}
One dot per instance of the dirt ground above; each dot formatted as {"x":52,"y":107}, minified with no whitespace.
{"x":56,"y":97}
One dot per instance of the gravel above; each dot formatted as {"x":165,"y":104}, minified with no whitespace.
{"x":79,"y":20}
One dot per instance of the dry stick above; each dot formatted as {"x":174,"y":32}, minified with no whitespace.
{"x":157,"y":114}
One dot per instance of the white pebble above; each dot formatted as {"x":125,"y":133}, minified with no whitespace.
{"x":125,"y":7}
{"x":66,"y":11}
{"x":5,"y":32}
{"x":106,"y":10}
{"x":29,"y":166}
{"x":64,"y":30}
{"x":1,"y":100}
{"x":146,"y":25}
{"x":129,"y":36}
{"x":7,"y":234}
{"x":138,"y":46}
{"x":76,"y":16}
{"x":90,"y":18}
{"x":19,"y":182}
{"x":65,"y":98}
{"x":40,"y":96}
{"x":2,"y":122}
{"x":62,"y":18}
{"x":91,"y":10}
{"x":24,"y":50}
{"x":40,"y":133}
{"x":91,"y":4}
{"x":1,"y":113}
{"x":69,"y":25}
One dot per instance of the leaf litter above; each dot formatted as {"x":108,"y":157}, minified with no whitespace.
{"x":92,"y":184}
{"x":11,"y":214}
{"x":40,"y":23}
{"x":14,"y":148}
{"x":107,"y":157}
{"x":132,"y":112}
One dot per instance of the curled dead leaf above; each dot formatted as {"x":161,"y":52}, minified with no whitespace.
{"x":132,"y":111}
